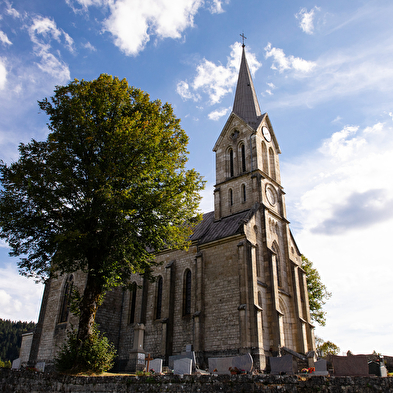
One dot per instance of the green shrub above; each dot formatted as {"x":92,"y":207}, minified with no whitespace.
{"x":95,"y":355}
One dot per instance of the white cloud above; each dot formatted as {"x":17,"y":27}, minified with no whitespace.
{"x":4,"y":39}
{"x":307,"y":19}
{"x":11,"y":11}
{"x":41,"y":31}
{"x":216,"y":6}
{"x":89,"y":46}
{"x":217,"y":114}
{"x":20,"y":298}
{"x":218,"y":80}
{"x":133,"y":22}
{"x":3,"y":74}
{"x":283,"y":62}
{"x":342,"y":196}
{"x":183,"y":89}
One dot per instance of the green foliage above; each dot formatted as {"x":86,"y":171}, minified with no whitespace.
{"x":317,"y":292}
{"x":325,"y":348}
{"x":108,"y":186}
{"x":95,"y":355}
{"x":11,"y":338}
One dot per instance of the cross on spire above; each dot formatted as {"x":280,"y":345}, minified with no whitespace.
{"x":243,"y":37}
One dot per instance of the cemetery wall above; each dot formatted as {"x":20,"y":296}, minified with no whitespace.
{"x":33,"y":382}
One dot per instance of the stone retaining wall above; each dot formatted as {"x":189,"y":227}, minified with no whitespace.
{"x":34,"y":382}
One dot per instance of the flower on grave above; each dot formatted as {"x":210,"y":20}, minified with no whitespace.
{"x":152,"y":371}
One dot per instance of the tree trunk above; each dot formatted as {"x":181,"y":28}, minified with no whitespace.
{"x":89,"y":306}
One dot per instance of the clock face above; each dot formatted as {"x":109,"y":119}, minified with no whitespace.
{"x":266,"y":134}
{"x":270,"y":195}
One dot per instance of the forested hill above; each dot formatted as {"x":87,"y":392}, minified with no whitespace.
{"x":11,"y":337}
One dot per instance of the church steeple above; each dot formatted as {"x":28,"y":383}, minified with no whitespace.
{"x":246,"y":103}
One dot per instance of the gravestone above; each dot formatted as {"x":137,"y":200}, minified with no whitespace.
{"x":283,"y":365}
{"x":16,"y":364}
{"x":320,"y":367}
{"x":356,"y":365}
{"x":156,"y":365}
{"x":378,"y":369}
{"x":188,"y":354}
{"x":40,"y":366}
{"x":182,"y":366}
{"x":242,"y":363}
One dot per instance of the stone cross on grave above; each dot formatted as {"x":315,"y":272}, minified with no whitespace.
{"x":148,"y":361}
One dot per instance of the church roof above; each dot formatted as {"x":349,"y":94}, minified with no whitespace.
{"x":246,"y":103}
{"x":209,"y":230}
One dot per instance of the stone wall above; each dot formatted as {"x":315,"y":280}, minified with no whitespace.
{"x":33,"y":382}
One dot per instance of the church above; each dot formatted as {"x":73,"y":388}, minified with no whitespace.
{"x":238,"y":289}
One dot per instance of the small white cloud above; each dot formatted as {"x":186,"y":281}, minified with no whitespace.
{"x":281,"y":62}
{"x":4,"y":39}
{"x":11,"y":11}
{"x":307,"y":19}
{"x":89,"y":46}
{"x":336,"y":120}
{"x":41,"y":32}
{"x":217,"y":114}
{"x":269,"y":92}
{"x":69,"y":42}
{"x":218,"y":80}
{"x":183,"y":89}
{"x":271,"y":85}
{"x":216,"y":6}
{"x":3,"y":74}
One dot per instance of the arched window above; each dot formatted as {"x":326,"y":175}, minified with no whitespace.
{"x":265,"y":161}
{"x":278,"y":264}
{"x":244,"y":195}
{"x":159,"y":298}
{"x":243,"y":155}
{"x":132,"y":303}
{"x":272,"y":164}
{"x":231,"y":168}
{"x":230,"y":197}
{"x":187,"y":293}
{"x":65,"y":302}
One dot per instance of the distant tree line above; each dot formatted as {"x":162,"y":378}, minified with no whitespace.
{"x":11,"y":338}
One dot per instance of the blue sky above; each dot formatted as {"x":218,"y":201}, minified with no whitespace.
{"x":323,"y":70}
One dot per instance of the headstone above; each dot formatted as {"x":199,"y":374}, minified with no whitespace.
{"x":283,"y":365}
{"x":242,"y":363}
{"x":378,"y":369}
{"x":183,"y":355}
{"x":320,"y":367}
{"x":16,"y":364}
{"x":156,"y":365}
{"x":356,"y":365}
{"x":182,"y":366}
{"x":40,"y":366}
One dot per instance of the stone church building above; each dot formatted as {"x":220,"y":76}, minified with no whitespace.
{"x":238,"y":289}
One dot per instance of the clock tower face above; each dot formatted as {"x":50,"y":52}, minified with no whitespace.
{"x":266,"y":133}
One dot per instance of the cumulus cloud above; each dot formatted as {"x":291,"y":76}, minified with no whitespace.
{"x":41,"y":32}
{"x":281,"y":62}
{"x":4,"y":39}
{"x":307,"y":19}
{"x":344,"y":178}
{"x":17,"y":304}
{"x":217,"y":114}
{"x":133,"y":23}
{"x":217,"y":80}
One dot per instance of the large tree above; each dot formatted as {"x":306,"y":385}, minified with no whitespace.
{"x":317,"y":292}
{"x":108,"y":186}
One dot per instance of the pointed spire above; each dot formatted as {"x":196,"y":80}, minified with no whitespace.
{"x":246,"y":103}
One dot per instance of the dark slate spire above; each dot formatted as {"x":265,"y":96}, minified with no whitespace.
{"x":246,"y":103}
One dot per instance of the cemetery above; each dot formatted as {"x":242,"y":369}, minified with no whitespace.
{"x":288,"y":372}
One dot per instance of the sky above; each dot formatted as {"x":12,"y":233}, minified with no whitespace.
{"x":323,"y":70}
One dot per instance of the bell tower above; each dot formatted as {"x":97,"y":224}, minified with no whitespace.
{"x":247,"y":165}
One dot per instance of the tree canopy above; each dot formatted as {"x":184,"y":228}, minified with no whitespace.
{"x":108,"y":186}
{"x":317,"y":292}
